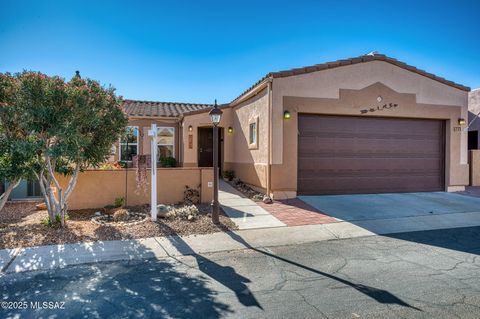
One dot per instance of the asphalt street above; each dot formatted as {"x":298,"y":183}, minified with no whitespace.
{"x":429,"y":274}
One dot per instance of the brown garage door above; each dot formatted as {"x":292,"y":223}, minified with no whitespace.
{"x":348,"y":155}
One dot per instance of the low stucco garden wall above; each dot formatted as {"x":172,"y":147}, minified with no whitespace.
{"x":474,"y":161}
{"x":97,"y":188}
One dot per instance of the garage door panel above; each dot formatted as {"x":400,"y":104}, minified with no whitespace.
{"x":339,"y":155}
{"x":366,"y":185}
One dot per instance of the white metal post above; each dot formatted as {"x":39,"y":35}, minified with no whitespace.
{"x":153,"y":198}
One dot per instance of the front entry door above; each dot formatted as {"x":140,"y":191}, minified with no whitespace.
{"x":205,"y":147}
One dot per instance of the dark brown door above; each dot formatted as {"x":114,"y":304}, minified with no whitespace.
{"x":205,"y":147}
{"x":348,"y":155}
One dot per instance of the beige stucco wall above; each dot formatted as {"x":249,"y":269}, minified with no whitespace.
{"x":326,"y":84}
{"x":190,"y":155}
{"x":474,"y":167}
{"x":250,"y":163}
{"x":97,"y":188}
{"x":350,"y":102}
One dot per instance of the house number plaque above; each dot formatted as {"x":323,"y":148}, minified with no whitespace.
{"x":379,"y":108}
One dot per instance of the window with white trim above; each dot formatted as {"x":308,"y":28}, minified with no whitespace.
{"x":166,"y":141}
{"x":129,"y":144}
{"x":252,"y":139}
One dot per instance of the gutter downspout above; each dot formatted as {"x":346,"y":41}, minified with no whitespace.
{"x":269,"y":148}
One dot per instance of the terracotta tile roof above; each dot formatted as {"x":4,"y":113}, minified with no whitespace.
{"x":161,"y":109}
{"x":350,"y":61}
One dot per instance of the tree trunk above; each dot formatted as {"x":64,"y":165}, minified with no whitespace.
{"x":56,"y":205}
{"x":8,"y":191}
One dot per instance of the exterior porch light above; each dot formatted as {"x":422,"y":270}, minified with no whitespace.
{"x":190,"y":128}
{"x":286,"y":115}
{"x":230,"y":130}
{"x":216,"y":116}
{"x":461,"y":121}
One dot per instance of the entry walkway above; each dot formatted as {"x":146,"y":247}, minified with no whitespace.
{"x":244,"y":212}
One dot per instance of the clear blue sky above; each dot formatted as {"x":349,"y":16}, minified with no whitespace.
{"x":200,"y":50}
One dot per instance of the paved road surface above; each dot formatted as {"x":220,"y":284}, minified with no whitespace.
{"x":432,"y":274}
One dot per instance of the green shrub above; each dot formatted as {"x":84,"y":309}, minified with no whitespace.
{"x":229,"y":175}
{"x":119,"y":201}
{"x":168,"y":162}
{"x":47,"y":222}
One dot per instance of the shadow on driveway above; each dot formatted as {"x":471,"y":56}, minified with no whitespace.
{"x":465,"y":239}
{"x":139,"y":289}
{"x":381,"y":296}
{"x":225,"y":275}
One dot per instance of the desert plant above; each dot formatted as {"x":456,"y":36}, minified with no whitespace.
{"x":47,"y":222}
{"x":121,"y":215}
{"x":141,"y":163}
{"x":191,"y":196}
{"x":119,"y":201}
{"x":168,"y":161}
{"x":229,"y":175}
{"x":187,"y":212}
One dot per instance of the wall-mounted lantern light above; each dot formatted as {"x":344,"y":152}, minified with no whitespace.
{"x":461,"y":121}
{"x":230,"y":130}
{"x":287,"y":115}
{"x":190,"y":128}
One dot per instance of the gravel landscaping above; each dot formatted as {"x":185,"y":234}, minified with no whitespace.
{"x":245,"y":189}
{"x":21,"y":226}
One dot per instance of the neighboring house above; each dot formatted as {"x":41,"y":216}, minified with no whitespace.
{"x":369,"y":124}
{"x":473,"y":119}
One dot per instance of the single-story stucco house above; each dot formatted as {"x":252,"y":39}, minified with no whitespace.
{"x":362,"y":125}
{"x":369,"y":124}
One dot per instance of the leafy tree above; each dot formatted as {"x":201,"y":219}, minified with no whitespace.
{"x":17,"y":148}
{"x":74,"y":124}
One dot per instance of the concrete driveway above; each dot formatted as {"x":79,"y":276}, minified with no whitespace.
{"x":386,"y":206}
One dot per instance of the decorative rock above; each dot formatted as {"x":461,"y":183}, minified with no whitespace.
{"x":41,"y":206}
{"x":134,"y":218}
{"x":162,"y":210}
{"x":267,"y":199}
{"x":98,"y":213}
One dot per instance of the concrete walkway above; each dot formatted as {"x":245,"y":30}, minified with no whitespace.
{"x":244,"y":212}
{"x":51,"y":257}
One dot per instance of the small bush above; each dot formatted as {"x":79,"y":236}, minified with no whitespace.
{"x":47,"y":222}
{"x":168,"y":162}
{"x":187,"y":212}
{"x":191,"y":196}
{"x":121,"y":215}
{"x":119,"y":201}
{"x":229,"y":175}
